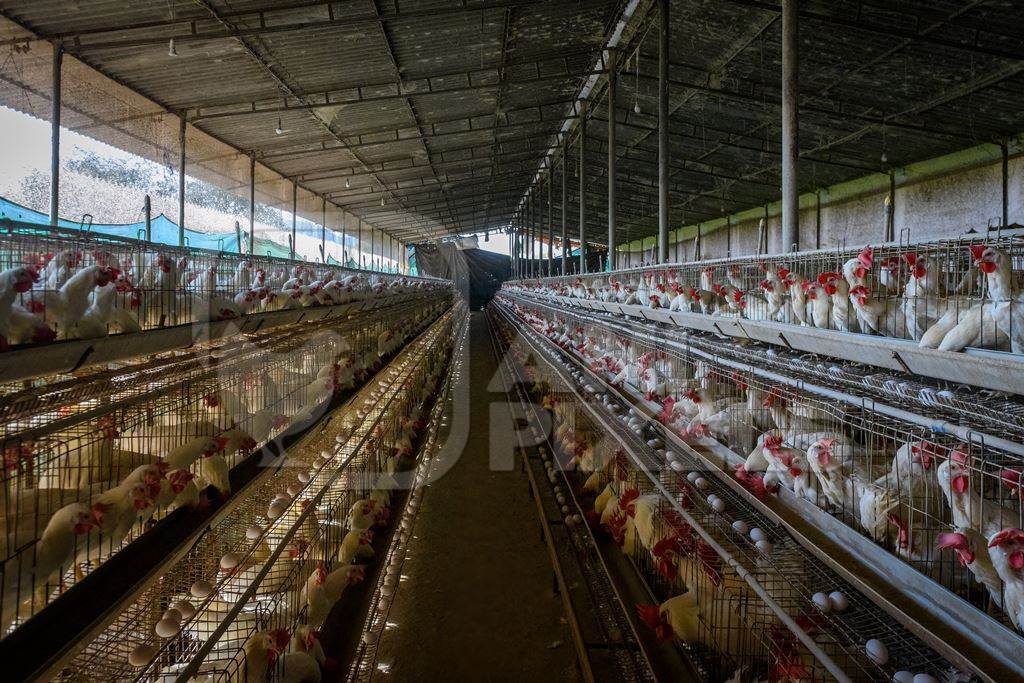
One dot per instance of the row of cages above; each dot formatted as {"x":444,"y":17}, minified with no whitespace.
{"x":696,"y":541}
{"x":949,"y":508}
{"x":248,"y":600}
{"x":60,"y":284}
{"x":948,"y":294}
{"x":93,"y":461}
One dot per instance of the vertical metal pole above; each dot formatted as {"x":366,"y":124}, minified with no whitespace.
{"x":663,"y":131}
{"x":728,"y":236}
{"x":238,"y":237}
{"x":147,"y":210}
{"x":551,"y":225}
{"x":565,"y":236}
{"x":532,"y":228}
{"x":359,"y":245}
{"x":790,"y":127}
{"x":55,"y":104}
{"x":181,"y":180}
{"x":252,"y":203}
{"x":1006,"y":178}
{"x":612,"y":84}
{"x":344,"y":240}
{"x":817,"y":219}
{"x":295,"y":207}
{"x":583,"y":184}
{"x":323,"y":229}
{"x":890,"y":219}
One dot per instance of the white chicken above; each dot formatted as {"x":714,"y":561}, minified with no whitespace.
{"x":27,"y":574}
{"x":323,"y":590}
{"x":1006,"y":548}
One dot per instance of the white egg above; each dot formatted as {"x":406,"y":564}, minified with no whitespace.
{"x":293,"y":490}
{"x":763,"y":547}
{"x":692,"y":477}
{"x":718,"y":505}
{"x":370,"y":637}
{"x":229,"y":560}
{"x":570,"y":520}
{"x":677,"y":466}
{"x":275,"y":510}
{"x":757,"y":535}
{"x":165,"y":628}
{"x":877,"y":651}
{"x":839,"y":601}
{"x":253,"y":532}
{"x":186,"y":608}
{"x":903,"y":677}
{"x":822,"y":602}
{"x":560,"y":498}
{"x":141,"y":655}
{"x":172,"y":614}
{"x":702,"y":483}
{"x":201,"y":589}
{"x":740,"y":527}
{"x":387,"y":591}
{"x":565,"y":509}
{"x":281,"y":498}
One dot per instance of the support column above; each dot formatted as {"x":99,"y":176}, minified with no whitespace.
{"x":1006,"y":178}
{"x":55,"y":104}
{"x":612,"y":84}
{"x":344,"y":227}
{"x":181,"y":182}
{"x":252,"y":202}
{"x":532,"y":227}
{"x":663,"y":131}
{"x":295,"y":206}
{"x":551,"y":226}
{"x":583,"y":187}
{"x":359,"y":245}
{"x":790,"y":127}
{"x":147,"y":212}
{"x":323,"y":230}
{"x":565,"y":236}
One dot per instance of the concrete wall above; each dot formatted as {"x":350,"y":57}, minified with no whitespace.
{"x":935,"y":199}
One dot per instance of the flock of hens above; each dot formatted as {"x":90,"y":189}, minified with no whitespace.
{"x":76,"y":295}
{"x":798,"y":446}
{"x":86,"y":502}
{"x":915,"y":307}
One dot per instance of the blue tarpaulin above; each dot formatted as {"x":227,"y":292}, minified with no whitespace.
{"x":164,"y":231}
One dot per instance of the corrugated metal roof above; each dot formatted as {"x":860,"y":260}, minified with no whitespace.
{"x":432,"y":103}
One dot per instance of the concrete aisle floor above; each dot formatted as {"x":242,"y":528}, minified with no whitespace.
{"x":478,"y":602}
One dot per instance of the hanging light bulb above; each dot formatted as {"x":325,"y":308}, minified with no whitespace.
{"x":348,"y":184}
{"x":279,"y":130}
{"x":382,"y":200}
{"x":171,"y":50}
{"x":885,"y":157}
{"x":636,"y":107}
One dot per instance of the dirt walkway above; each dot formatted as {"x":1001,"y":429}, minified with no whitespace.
{"x":478,"y":603}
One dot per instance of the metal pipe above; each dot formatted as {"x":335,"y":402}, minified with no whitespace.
{"x":55,"y":105}
{"x":1006,"y":187}
{"x":612,"y":84}
{"x":359,"y":246}
{"x":323,"y":231}
{"x":295,"y":206}
{"x":181,"y":181}
{"x":551,"y":226}
{"x":817,"y":219}
{"x":565,"y":236}
{"x":790,"y":127}
{"x":238,"y":236}
{"x":147,"y":212}
{"x":583,"y":183}
{"x":344,"y":227}
{"x":890,"y":218}
{"x":252,"y":203}
{"x":663,"y":9}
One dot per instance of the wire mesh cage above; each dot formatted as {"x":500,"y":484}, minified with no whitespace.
{"x":262,"y":565}
{"x":91,"y":463}
{"x":948,"y":294}
{"x":70,"y":284}
{"x":795,"y":439}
